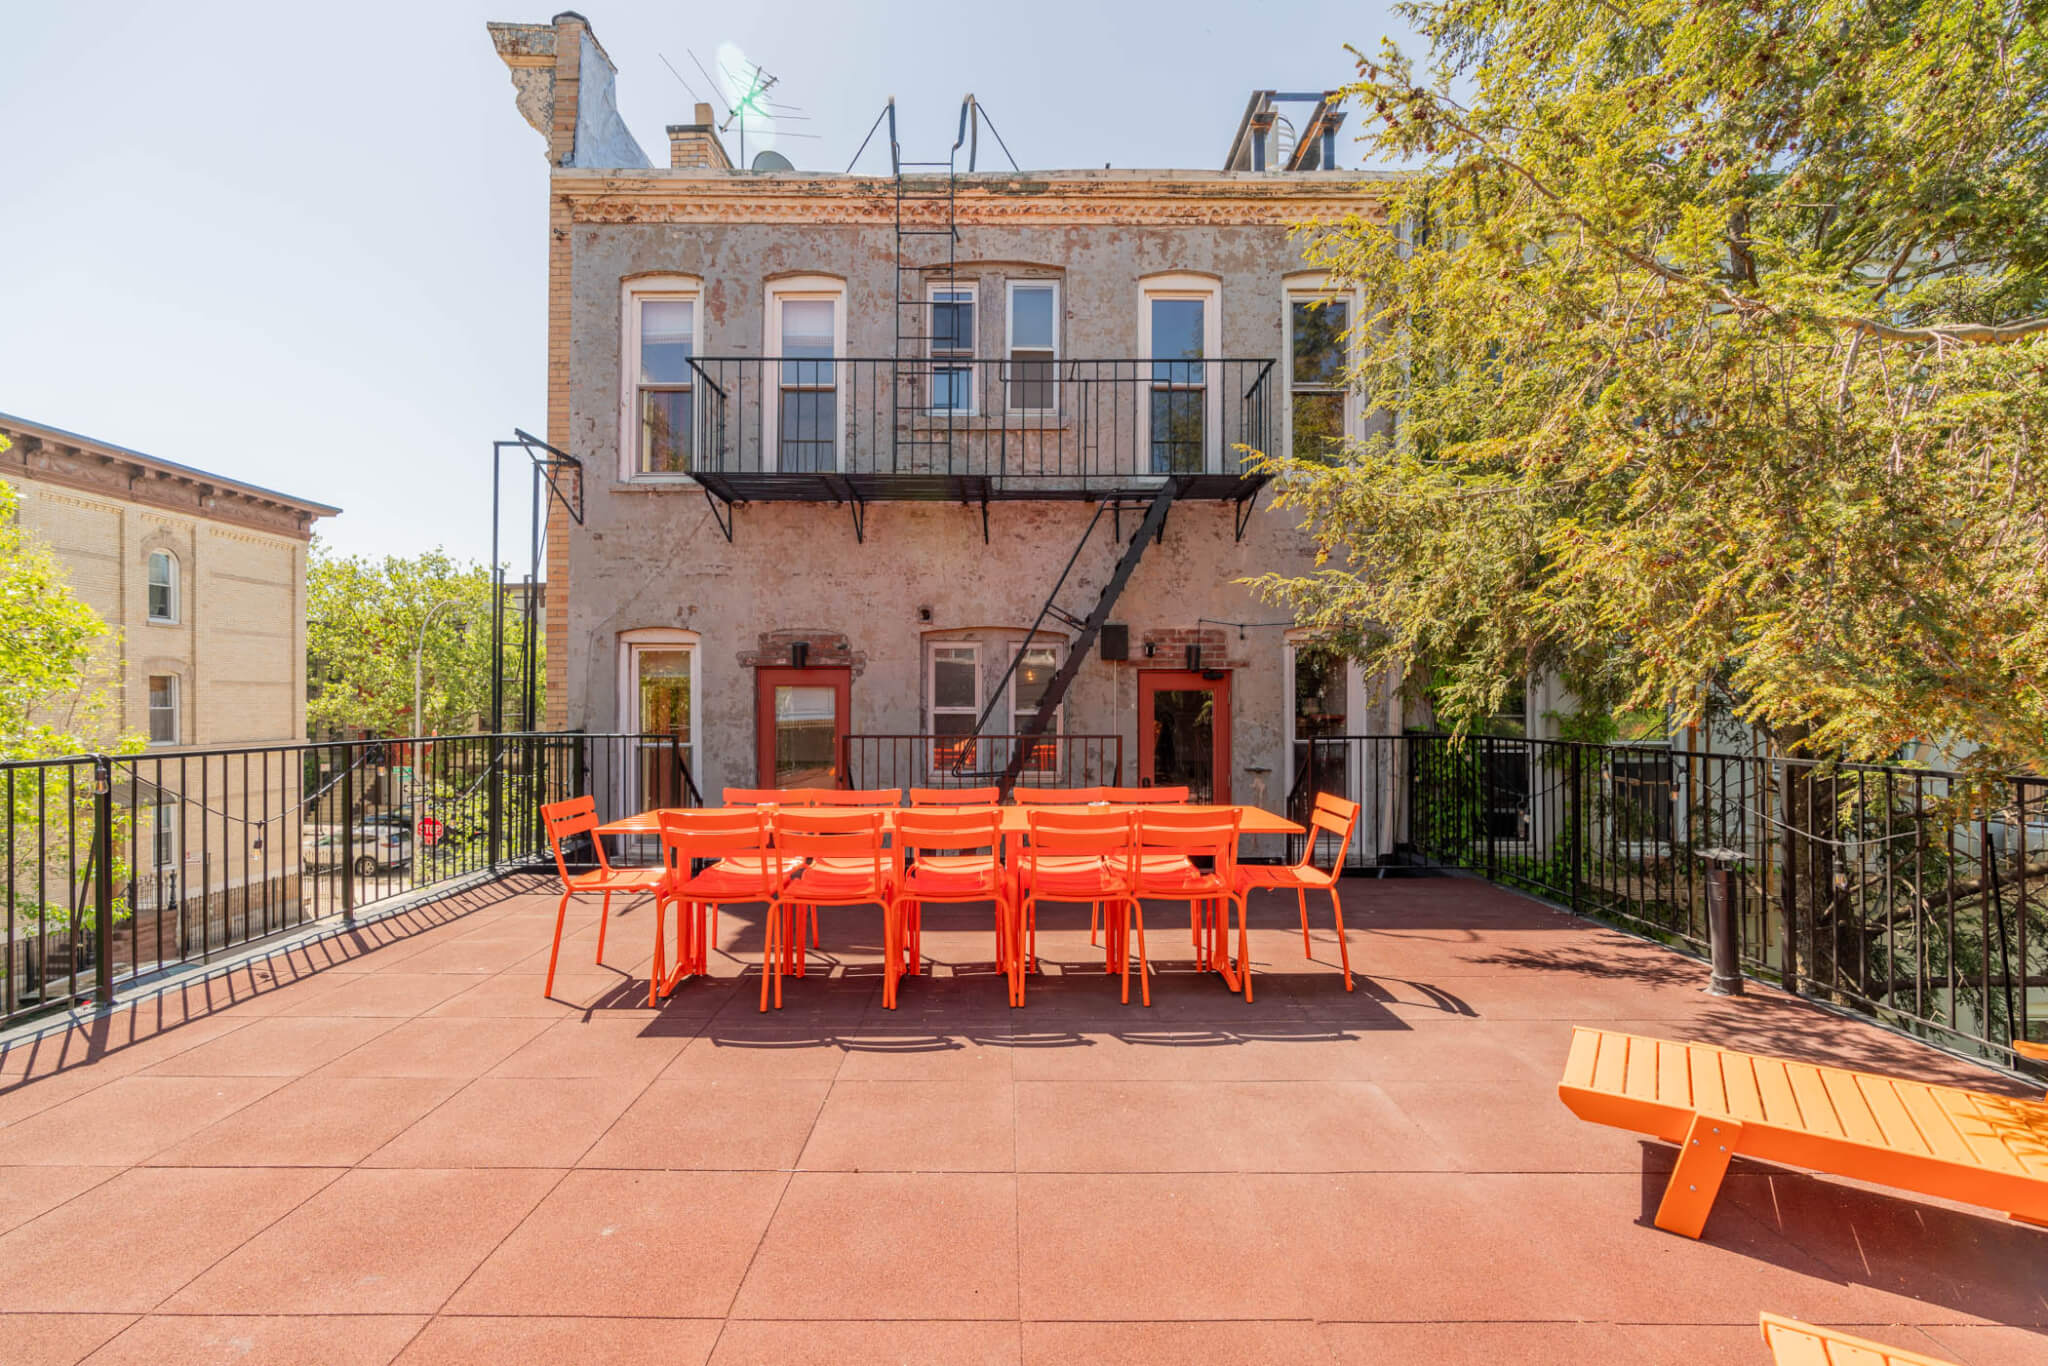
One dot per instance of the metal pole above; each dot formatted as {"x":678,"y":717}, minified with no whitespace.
{"x":103,"y":881}
{"x":1722,"y":938}
{"x":348,"y":834}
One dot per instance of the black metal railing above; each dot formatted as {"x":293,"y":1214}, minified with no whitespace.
{"x":122,"y":865}
{"x":1916,"y":896}
{"x":870,"y":761}
{"x":1023,"y":427}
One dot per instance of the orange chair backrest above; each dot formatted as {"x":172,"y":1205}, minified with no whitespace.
{"x":565,"y":820}
{"x":1332,"y":816}
{"x":1213,"y":833}
{"x":955,"y":796}
{"x":1057,"y":796}
{"x":950,"y":830}
{"x":739,"y":832}
{"x":1066,"y":834}
{"x":1146,"y":796}
{"x":867,"y":796}
{"x":770,"y":796}
{"x":811,"y":833}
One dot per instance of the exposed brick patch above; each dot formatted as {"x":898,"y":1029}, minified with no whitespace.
{"x":829,"y":649}
{"x":1170,"y":648}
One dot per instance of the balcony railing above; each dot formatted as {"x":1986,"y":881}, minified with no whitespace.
{"x":960,"y":429}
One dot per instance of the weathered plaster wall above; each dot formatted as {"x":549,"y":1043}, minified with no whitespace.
{"x":651,"y":556}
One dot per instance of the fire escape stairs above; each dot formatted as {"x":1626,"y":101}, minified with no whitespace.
{"x":1086,"y":630}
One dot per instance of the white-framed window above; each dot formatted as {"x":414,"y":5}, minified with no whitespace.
{"x":807,"y":331}
{"x":1179,"y":332}
{"x":953,"y":684}
{"x":1027,"y":689}
{"x":661,"y":421}
{"x":658,"y":689}
{"x":1321,"y":410}
{"x":163,"y":832}
{"x":954,"y":309}
{"x":1031,"y":348}
{"x":163,"y":587}
{"x":163,"y":709}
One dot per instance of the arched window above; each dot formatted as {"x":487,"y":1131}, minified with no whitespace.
{"x":163,"y":586}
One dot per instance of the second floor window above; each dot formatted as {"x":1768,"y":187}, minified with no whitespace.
{"x":666,"y":334}
{"x":163,"y":586}
{"x":807,"y":405}
{"x":1180,"y":400}
{"x":1034,"y":325}
{"x":163,"y":709}
{"x":952,"y":340}
{"x":1315,"y":375}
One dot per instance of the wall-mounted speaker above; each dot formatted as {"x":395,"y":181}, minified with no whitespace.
{"x":1116,"y":641}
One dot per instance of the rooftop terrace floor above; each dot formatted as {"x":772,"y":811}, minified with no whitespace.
{"x":389,"y":1147}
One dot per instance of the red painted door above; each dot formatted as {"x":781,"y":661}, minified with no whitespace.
{"x":1184,"y":731}
{"x":800,"y":725}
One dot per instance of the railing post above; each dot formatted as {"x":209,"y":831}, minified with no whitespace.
{"x":494,"y":817}
{"x":1722,"y":941}
{"x":348,"y":834}
{"x":103,"y":881}
{"x":1576,"y":800}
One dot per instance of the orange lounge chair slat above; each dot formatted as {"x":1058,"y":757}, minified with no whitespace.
{"x":1793,"y":1343}
{"x":1942,"y":1141}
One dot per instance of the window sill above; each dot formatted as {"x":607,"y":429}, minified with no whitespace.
{"x":162,"y":621}
{"x":656,"y":483}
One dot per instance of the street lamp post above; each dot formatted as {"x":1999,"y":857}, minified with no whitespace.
{"x":419,"y":655}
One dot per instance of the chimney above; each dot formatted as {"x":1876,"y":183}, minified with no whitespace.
{"x":562,"y":83}
{"x":696,"y":144}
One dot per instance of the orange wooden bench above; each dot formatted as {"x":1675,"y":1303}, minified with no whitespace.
{"x":2037,"y":1051}
{"x":1716,"y":1104}
{"x":1793,"y":1343}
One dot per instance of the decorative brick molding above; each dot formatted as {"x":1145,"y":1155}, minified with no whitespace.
{"x":1170,"y":648}
{"x":829,"y":649}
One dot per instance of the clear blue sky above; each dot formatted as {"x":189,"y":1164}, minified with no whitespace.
{"x":304,"y":245}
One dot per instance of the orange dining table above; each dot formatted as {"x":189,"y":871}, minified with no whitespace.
{"x":1253,"y":820}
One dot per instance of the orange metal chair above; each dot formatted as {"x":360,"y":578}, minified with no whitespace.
{"x":1168,"y":844}
{"x":1075,"y":857}
{"x":955,"y":796}
{"x":871,"y":796}
{"x":1332,"y":816}
{"x":1793,"y":1343}
{"x":744,"y":867}
{"x":565,"y":821}
{"x":847,"y":863}
{"x":942,"y":869}
{"x":1147,"y":796}
{"x":1056,"y":796}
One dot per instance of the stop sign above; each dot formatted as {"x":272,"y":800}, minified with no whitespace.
{"x":430,"y":829}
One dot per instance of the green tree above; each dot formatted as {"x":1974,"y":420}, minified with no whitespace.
{"x":368,"y":619}
{"x":1708,"y":347}
{"x":55,"y":694}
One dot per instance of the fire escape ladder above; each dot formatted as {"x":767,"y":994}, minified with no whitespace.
{"x":1084,"y":635}
{"x":924,"y":393}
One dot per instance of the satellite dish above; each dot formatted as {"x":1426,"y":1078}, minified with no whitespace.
{"x":771,"y":161}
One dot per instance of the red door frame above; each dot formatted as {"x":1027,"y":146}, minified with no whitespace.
{"x":1151,"y":681}
{"x":766,"y":680}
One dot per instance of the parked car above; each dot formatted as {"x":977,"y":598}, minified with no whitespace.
{"x":383,"y":841}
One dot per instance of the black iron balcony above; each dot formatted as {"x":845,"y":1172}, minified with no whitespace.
{"x":968,"y":430}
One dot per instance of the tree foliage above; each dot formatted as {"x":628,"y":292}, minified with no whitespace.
{"x":366,"y":621}
{"x":1708,"y":352}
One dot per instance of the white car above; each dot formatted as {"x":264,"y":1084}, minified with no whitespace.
{"x":376,"y":842}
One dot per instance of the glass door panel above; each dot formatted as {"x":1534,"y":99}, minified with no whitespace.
{"x":1184,"y":730}
{"x":801,"y":722}
{"x":662,"y":700}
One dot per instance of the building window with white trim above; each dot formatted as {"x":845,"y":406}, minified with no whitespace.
{"x":1179,"y":330}
{"x":662,"y":419}
{"x":807,"y":330}
{"x":163,"y":586}
{"x":1033,"y":349}
{"x":952,"y":339}
{"x":163,"y":709}
{"x":163,"y":832}
{"x":954,"y":687}
{"x":658,"y":685}
{"x":1317,"y":400}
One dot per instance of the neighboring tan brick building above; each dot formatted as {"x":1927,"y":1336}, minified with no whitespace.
{"x":840,"y":434}
{"x":202,"y":582}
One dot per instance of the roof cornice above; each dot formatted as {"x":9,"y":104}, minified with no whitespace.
{"x":1159,"y":198}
